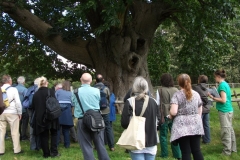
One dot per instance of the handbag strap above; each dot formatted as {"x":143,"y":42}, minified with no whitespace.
{"x":145,"y":104}
{"x":78,"y":99}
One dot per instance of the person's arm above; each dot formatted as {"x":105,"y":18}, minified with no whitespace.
{"x":76,"y":106}
{"x":222,"y":99}
{"x":173,"y":110}
{"x":18,"y":103}
{"x":159,"y":116}
{"x":25,"y":92}
{"x":200,"y":110}
{"x":126,"y":114}
{"x":173,"y":107}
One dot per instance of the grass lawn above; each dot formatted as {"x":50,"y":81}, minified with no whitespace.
{"x":210,"y":152}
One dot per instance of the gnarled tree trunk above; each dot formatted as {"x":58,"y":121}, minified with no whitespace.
{"x":119,"y":54}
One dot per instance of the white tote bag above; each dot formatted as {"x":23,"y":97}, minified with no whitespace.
{"x":133,"y":138}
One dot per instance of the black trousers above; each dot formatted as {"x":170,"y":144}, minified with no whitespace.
{"x":24,"y":125}
{"x":190,"y":145}
{"x":44,"y":137}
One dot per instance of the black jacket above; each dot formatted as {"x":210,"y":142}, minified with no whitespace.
{"x":151,"y":114}
{"x":203,"y":92}
{"x":39,"y":106}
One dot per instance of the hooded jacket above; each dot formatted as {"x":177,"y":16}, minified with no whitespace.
{"x":203,"y":92}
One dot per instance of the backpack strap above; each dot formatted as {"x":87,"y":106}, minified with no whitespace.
{"x":78,"y":99}
{"x":7,"y":88}
{"x":6,"y":93}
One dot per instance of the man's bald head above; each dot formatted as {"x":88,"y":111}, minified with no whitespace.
{"x":99,"y":78}
{"x":86,"y":78}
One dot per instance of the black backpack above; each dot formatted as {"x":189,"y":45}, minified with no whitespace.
{"x":103,"y":101}
{"x":53,"y":110}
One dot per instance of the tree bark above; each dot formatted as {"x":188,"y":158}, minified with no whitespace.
{"x":119,"y":56}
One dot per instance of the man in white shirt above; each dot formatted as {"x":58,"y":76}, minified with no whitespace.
{"x":11,"y":115}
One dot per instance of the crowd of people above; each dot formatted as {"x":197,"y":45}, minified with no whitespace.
{"x":183,"y":112}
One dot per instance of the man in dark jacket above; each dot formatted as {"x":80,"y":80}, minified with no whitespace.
{"x":201,"y":88}
{"x":106,"y":111}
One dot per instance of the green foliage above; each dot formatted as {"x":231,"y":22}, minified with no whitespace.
{"x":159,"y":56}
{"x":202,"y":36}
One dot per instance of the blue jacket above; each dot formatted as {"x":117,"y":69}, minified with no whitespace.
{"x":21,"y":91}
{"x":112,"y":115}
{"x":63,"y":96}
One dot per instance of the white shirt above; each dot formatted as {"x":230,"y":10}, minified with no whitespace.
{"x":13,"y":97}
{"x":157,"y":98}
{"x":150,"y":150}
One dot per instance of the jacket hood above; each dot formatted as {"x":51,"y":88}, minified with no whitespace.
{"x":203,"y":86}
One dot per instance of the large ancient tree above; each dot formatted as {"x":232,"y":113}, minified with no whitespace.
{"x":111,"y":36}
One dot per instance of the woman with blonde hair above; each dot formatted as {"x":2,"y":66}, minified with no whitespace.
{"x":41,"y":127}
{"x":140,"y":90}
{"x":186,"y":111}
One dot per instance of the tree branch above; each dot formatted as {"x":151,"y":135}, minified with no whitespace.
{"x":180,"y":24}
{"x":75,"y":51}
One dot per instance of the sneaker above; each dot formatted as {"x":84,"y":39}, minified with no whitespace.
{"x":112,"y":149}
{"x":224,"y":154}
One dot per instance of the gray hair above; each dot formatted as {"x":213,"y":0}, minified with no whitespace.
{"x":140,"y":87}
{"x":21,"y":80}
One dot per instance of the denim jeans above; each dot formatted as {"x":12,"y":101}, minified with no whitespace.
{"x":142,"y":156}
{"x":206,"y":138}
{"x":108,"y":131}
{"x":66,"y":135}
{"x":35,"y":142}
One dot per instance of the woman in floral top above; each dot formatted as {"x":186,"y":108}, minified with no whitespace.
{"x":186,"y":110}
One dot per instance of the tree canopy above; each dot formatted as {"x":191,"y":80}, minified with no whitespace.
{"x":114,"y":36}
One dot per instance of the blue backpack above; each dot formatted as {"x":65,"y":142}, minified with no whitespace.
{"x":27,"y":100}
{"x":103,"y":101}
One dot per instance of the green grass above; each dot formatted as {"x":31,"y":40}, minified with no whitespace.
{"x":210,"y":152}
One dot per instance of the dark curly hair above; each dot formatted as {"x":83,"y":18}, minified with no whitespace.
{"x":167,"y":80}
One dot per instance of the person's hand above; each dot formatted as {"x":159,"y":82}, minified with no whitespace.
{"x":20,"y":116}
{"x":211,"y":96}
{"x":170,"y":117}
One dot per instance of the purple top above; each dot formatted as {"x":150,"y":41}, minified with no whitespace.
{"x":187,"y":121}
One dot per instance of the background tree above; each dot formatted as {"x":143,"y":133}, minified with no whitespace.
{"x":112,"y":37}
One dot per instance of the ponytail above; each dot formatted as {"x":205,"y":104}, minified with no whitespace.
{"x":184,"y":82}
{"x":188,"y":90}
{"x":42,"y":82}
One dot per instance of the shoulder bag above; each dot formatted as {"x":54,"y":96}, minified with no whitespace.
{"x":133,"y":138}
